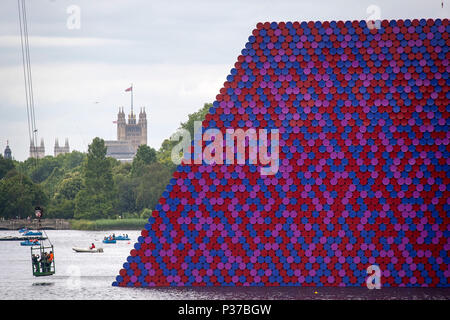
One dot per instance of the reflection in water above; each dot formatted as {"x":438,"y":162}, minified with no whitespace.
{"x":43,"y":284}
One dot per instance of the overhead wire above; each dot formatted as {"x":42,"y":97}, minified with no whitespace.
{"x":29,"y":96}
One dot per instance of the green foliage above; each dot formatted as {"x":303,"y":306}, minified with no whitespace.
{"x":97,"y":168}
{"x":50,"y":184}
{"x":5,"y":166}
{"x":19,"y":195}
{"x":165,"y":154}
{"x":126,"y":192}
{"x":93,"y":206}
{"x":72,"y":160}
{"x":63,"y":201}
{"x":44,"y":168}
{"x":122,"y":169}
{"x":145,"y":155}
{"x":82,"y":224}
{"x":108,"y":224}
{"x":97,"y":197}
{"x":69,"y":187}
{"x":146,"y":213}
{"x":61,"y":209}
{"x":151,"y":185}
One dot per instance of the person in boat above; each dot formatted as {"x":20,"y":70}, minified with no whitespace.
{"x":35,"y":259}
{"x":92,"y":246}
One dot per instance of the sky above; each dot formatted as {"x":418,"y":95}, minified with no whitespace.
{"x":176,"y":53}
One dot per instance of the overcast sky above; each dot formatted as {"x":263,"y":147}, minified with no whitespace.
{"x":177,"y":54}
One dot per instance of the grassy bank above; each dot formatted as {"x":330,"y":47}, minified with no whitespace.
{"x":108,"y":224}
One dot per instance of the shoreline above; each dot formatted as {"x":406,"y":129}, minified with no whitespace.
{"x":72,"y":224}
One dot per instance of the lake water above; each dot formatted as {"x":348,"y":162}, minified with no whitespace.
{"x":88,"y":276}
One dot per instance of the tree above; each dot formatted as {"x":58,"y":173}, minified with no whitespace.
{"x":126,"y":193}
{"x":97,"y":198}
{"x":62,"y":204}
{"x":44,"y":168}
{"x":19,"y":195}
{"x":97,"y":168}
{"x":69,"y":187}
{"x":5,"y":166}
{"x":51,"y":183}
{"x":151,"y":185}
{"x":72,"y":160}
{"x":144,"y":155}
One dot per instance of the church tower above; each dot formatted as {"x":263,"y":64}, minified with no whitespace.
{"x":130,"y":134}
{"x":143,"y":124}
{"x":66,"y":146}
{"x":37,"y":152}
{"x":56,"y":148}
{"x":60,"y":149}
{"x":7,"y":154}
{"x":121,"y":125}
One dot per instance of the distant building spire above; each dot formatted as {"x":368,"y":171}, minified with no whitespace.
{"x":61,"y":149}
{"x":37,"y":152}
{"x":7,"y":154}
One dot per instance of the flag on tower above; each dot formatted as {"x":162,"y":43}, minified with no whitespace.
{"x":131,"y":89}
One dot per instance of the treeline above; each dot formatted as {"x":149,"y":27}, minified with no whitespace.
{"x":89,"y":185}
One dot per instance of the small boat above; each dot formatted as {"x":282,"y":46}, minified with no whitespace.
{"x":122,"y":238}
{"x":23,"y":230}
{"x":95,"y":250}
{"x":30,"y":243}
{"x":109,"y":240}
{"x":33,"y":233}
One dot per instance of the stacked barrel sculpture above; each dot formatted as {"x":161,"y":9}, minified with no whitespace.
{"x":362,"y":176}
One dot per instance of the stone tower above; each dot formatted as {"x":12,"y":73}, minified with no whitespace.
{"x":7,"y":154}
{"x":37,"y":152}
{"x":135,"y":133}
{"x":61,"y":150}
{"x":143,"y":123}
{"x":121,"y":125}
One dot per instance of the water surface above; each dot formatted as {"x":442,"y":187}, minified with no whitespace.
{"x":89,"y":276}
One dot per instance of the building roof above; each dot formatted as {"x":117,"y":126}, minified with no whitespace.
{"x":120,"y":150}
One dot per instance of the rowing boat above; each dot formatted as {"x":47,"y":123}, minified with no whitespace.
{"x":96,"y":250}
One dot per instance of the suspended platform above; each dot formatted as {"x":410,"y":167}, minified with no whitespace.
{"x":42,"y":265}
